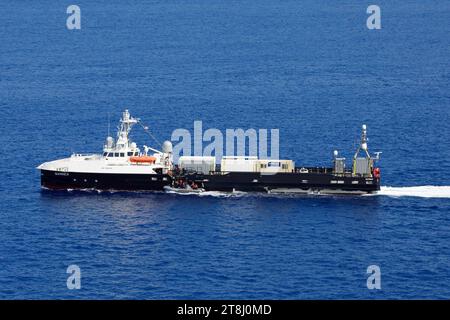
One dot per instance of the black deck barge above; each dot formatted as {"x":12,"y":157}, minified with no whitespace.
{"x":301,"y":180}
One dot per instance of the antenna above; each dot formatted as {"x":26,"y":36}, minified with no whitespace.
{"x":363,"y":144}
{"x":109,"y":125}
{"x":148,"y":132}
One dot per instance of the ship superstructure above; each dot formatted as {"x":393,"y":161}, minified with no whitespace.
{"x":121,"y":166}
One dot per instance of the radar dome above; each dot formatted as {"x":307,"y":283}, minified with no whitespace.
{"x":167,"y":147}
{"x":133,"y":145}
{"x":109,"y":142}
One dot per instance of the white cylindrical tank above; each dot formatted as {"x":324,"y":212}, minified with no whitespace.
{"x":167,"y":147}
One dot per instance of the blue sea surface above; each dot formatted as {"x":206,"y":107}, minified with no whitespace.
{"x":309,"y":68}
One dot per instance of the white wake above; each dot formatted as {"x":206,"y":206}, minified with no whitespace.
{"x":217,"y":194}
{"x":419,"y":191}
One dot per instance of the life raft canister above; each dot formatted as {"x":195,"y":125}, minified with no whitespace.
{"x":143,"y":159}
{"x":376,"y":172}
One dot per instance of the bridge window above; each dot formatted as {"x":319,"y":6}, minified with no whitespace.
{"x":130,"y":154}
{"x":122,"y":154}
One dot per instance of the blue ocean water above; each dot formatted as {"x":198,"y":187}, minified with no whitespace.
{"x":311,"y":69}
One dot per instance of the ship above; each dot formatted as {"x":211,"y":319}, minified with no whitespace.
{"x":122,"y":166}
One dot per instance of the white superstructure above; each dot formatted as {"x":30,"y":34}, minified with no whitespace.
{"x":120,"y":156}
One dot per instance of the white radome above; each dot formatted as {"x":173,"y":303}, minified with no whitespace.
{"x":167,"y":147}
{"x":109,"y":142}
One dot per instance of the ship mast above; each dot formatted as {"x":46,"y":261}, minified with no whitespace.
{"x":364,"y":166}
{"x":125,"y":127}
{"x":363,"y":144}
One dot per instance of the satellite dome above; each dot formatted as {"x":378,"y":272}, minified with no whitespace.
{"x":167,"y":147}
{"x":109,"y":142}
